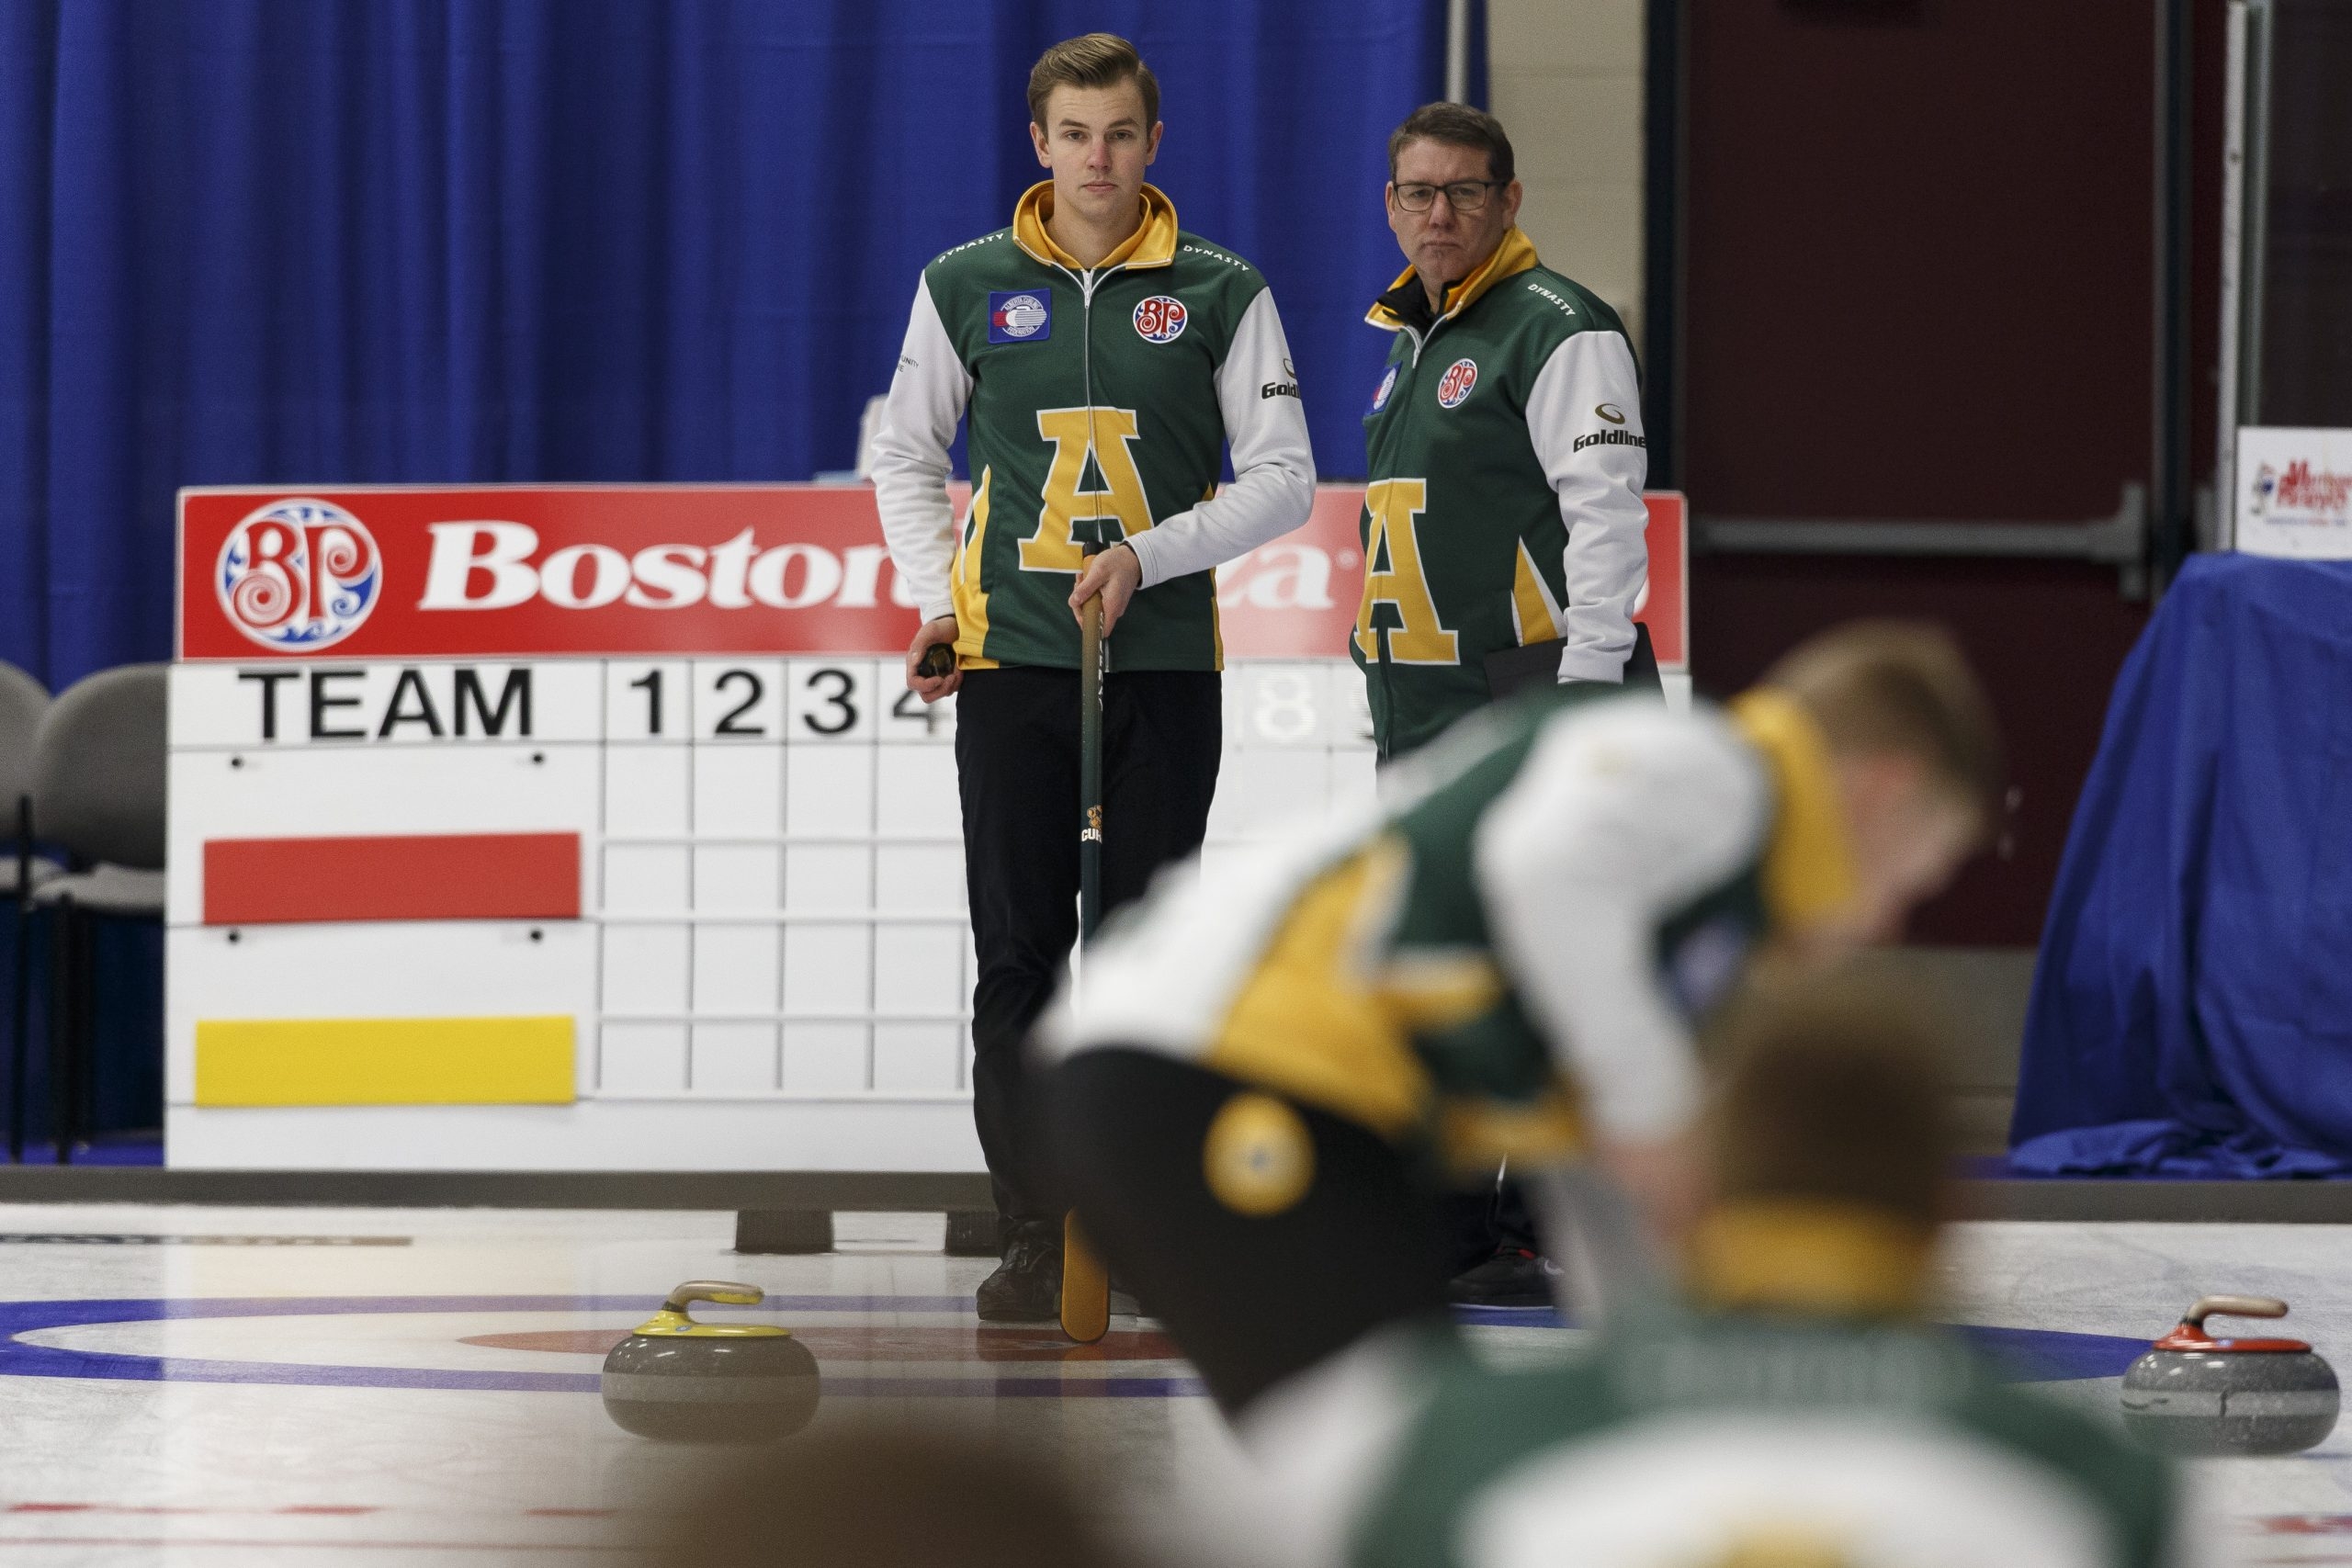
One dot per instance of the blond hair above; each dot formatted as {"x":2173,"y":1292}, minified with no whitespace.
{"x":1902,"y":687}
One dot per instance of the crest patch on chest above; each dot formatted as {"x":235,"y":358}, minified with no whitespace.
{"x":1456,"y":384}
{"x":1020,"y":316}
{"x":1160,"y":319}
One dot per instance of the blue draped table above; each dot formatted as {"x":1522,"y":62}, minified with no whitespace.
{"x":2192,"y":1008}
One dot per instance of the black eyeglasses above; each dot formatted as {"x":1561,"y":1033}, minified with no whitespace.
{"x":1463,"y":195}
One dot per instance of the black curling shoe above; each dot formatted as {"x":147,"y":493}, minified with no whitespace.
{"x":1027,"y":1286}
{"x":1513,"y":1277}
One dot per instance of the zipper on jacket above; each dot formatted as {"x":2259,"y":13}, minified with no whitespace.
{"x":1381,"y":663}
{"x":1087,"y":282}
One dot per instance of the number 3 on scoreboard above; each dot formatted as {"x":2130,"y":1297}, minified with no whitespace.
{"x":829,"y":699}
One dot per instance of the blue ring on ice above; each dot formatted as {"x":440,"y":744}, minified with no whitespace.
{"x":2027,"y":1355}
{"x":20,"y":1359}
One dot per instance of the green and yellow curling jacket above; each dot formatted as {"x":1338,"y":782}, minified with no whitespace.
{"x":1100,"y":401}
{"x":1506,"y":458}
{"x":1508,"y":954}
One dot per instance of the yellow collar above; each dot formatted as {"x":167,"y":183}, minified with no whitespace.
{"x":1810,"y":1255}
{"x":1809,"y":874}
{"x":1152,"y":244}
{"x":1513,"y":256}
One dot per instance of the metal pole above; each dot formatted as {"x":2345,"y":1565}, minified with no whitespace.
{"x":2168,"y":455}
{"x":1457,"y":52}
{"x":2225,"y":409}
{"x":21,"y":1021}
{"x":2262,"y":29}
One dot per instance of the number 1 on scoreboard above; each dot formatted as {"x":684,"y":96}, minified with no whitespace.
{"x":651,"y":681}
{"x":648,"y":702}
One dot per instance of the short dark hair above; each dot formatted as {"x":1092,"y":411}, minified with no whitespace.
{"x":1457,"y":125}
{"x":1832,"y":1090}
{"x":1092,"y":59}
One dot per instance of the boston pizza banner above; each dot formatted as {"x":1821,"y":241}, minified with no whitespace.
{"x":359,"y":573}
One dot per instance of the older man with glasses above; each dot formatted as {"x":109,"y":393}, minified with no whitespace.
{"x":1503,"y":526}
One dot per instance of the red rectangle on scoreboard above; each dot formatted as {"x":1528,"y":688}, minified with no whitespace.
{"x":359,"y":573}
{"x":421,"y":876}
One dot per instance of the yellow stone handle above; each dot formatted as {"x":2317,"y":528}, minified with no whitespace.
{"x":2233,"y":1306}
{"x":726,"y":1293}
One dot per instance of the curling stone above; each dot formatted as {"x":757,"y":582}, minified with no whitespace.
{"x":710,"y":1382}
{"x":2194,"y":1394}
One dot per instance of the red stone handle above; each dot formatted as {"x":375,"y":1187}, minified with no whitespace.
{"x":2233,"y":1306}
{"x":2191,"y":1335}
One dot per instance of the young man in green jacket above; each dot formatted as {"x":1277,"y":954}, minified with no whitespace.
{"x":1104,"y":359}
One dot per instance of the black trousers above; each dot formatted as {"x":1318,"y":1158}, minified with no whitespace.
{"x":1251,"y":1299}
{"x":1016,"y":765}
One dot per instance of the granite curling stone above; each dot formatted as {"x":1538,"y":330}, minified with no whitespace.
{"x":2193,"y":1394}
{"x":710,"y":1382}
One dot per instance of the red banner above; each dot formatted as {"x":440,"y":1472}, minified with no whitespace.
{"x":357,"y":573}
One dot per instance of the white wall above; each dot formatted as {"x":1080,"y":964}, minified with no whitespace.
{"x":1564,"y":77}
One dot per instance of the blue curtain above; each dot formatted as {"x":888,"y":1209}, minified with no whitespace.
{"x":369,"y":241}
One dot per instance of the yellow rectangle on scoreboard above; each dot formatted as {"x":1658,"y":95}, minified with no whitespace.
{"x":385,"y":1060}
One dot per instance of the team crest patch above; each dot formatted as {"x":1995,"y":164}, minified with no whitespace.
{"x":1160,"y":319}
{"x":1456,"y":384}
{"x":1380,"y":393}
{"x":1019,"y":317}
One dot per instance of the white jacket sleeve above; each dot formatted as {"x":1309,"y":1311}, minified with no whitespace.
{"x":911,"y":466}
{"x":1621,"y":813}
{"x":1589,"y":378}
{"x":1273,"y":469}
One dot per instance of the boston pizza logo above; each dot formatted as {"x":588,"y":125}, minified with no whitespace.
{"x":299,"y":575}
{"x":1159,"y":319}
{"x":1456,"y":384}
{"x":1380,"y":394}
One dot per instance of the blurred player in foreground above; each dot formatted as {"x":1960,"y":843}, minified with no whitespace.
{"x":1797,"y":1413}
{"x":1273,"y":1079}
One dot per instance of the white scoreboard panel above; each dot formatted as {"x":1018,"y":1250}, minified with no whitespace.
{"x":774,"y":963}
{"x":736,"y":934}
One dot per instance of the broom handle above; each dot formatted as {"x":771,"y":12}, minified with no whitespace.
{"x":1086,"y":1285}
{"x":1090,"y":771}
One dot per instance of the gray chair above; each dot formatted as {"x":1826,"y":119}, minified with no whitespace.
{"x":22,"y":702}
{"x":98,"y":771}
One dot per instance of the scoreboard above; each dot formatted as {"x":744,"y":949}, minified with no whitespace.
{"x":592,"y":827}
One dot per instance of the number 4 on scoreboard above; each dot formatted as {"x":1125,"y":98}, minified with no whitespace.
{"x":923,"y":713}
